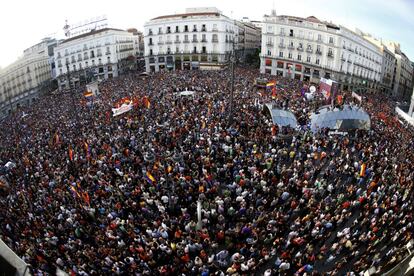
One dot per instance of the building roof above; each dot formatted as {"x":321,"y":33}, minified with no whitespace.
{"x":91,"y":33}
{"x":183,"y":15}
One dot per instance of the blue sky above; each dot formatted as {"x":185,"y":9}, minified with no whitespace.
{"x":25,"y":22}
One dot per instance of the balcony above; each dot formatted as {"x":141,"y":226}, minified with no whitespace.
{"x":186,"y":30}
{"x":99,"y":55}
{"x":168,"y":31}
{"x":343,"y":59}
{"x":107,"y":53}
{"x":269,"y":44}
{"x":282,"y":34}
{"x":150,"y":44}
{"x":318,"y":52}
{"x":177,"y":41}
{"x":319,"y":40}
{"x":331,"y":43}
{"x":194,"y":40}
{"x":309,"y":50}
{"x":194,"y":30}
{"x":186,"y":41}
{"x":160,"y":33}
{"x":160,"y":43}
{"x":281,"y":45}
{"x":168,"y":42}
{"x":299,"y":49}
{"x":204,"y":40}
{"x":291,"y":47}
{"x":150,"y":33}
{"x":330,"y":55}
{"x":214,"y":40}
{"x":214,"y":30}
{"x":203,"y":29}
{"x":349,"y":61}
{"x":79,"y":59}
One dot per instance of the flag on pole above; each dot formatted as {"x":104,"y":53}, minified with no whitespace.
{"x":150,"y":178}
{"x":363,"y":170}
{"x":70,"y":151}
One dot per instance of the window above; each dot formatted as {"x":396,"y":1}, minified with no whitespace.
{"x":215,"y":27}
{"x":195,"y":49}
{"x":299,"y":57}
{"x":168,"y":29}
{"x":215,"y":38}
{"x":86,"y":64}
{"x":281,"y":54}
{"x":308,"y":59}
{"x":186,"y":28}
{"x":269,"y":53}
{"x":317,"y":61}
{"x":203,"y":39}
{"x":331,"y":40}
{"x":203,"y":27}
{"x":151,"y":53}
{"x":318,"y":48}
{"x":160,"y":30}
{"x":177,"y":30}
{"x":194,"y":28}
{"x":319,"y":37}
{"x":291,"y":33}
{"x":282,"y":31}
{"x":150,"y":41}
{"x":204,"y":50}
{"x":268,"y":62}
{"x":290,"y":55}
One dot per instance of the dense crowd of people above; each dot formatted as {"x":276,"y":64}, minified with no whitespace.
{"x":92,"y":194}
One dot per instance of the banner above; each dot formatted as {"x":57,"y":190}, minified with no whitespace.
{"x":125,"y":107}
{"x":356,"y":96}
{"x":325,"y":87}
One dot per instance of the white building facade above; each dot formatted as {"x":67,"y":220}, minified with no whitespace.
{"x":308,"y":49}
{"x":199,"y":38}
{"x":23,"y":80}
{"x":99,"y":54}
{"x":403,"y":77}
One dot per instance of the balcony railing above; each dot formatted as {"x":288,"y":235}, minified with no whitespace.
{"x":318,"y":52}
{"x":194,"y":40}
{"x":214,"y":40}
{"x":150,"y":44}
{"x":214,"y":30}
{"x":282,"y":34}
{"x":309,"y":50}
{"x":291,"y":47}
{"x":299,"y":49}
{"x":186,"y":30}
{"x":160,"y":43}
{"x":168,"y":31}
{"x":177,"y":41}
{"x":177,"y":31}
{"x":150,"y":33}
{"x":269,"y":44}
{"x":194,"y":30}
{"x":281,"y":45}
{"x":186,"y":41}
{"x":204,"y":40}
{"x":203,"y":29}
{"x":330,"y":55}
{"x":99,"y":55}
{"x":168,"y":42}
{"x":107,"y":53}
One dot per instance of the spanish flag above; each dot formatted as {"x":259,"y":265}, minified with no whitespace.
{"x":363,"y":169}
{"x":270,"y":84}
{"x":150,"y":178}
{"x":88,"y":94}
{"x":146,"y":102}
{"x":70,"y":151}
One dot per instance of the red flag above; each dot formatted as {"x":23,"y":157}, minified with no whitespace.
{"x":70,"y":153}
{"x":274,"y":92}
